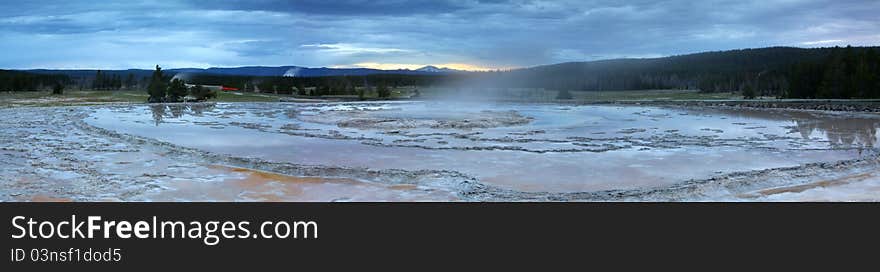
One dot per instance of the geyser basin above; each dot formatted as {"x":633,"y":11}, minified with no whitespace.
{"x":524,"y":147}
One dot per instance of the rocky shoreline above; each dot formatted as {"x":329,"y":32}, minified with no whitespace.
{"x":819,"y":105}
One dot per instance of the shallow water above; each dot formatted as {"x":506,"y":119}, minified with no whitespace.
{"x":241,"y":184}
{"x":556,"y":148}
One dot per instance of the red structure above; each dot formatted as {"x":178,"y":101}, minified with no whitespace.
{"x":224,"y":88}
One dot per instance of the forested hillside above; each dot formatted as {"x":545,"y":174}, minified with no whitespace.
{"x":22,"y":81}
{"x":850,"y":72}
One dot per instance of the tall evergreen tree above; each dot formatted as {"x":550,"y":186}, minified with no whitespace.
{"x":97,"y":84}
{"x":176,"y":90}
{"x":382,"y":90}
{"x":117,"y":82}
{"x":156,"y":88}
{"x":564,"y":95}
{"x":58,"y":88}
{"x":748,"y":92}
{"x":130,"y":81}
{"x":200,"y":93}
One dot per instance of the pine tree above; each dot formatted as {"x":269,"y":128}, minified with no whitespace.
{"x":129,"y":81}
{"x":361,"y":95}
{"x":872,"y":58}
{"x":58,"y":88}
{"x":156,"y":89}
{"x":748,"y":92}
{"x":117,"y":82}
{"x":833,"y":80}
{"x":97,"y":84}
{"x":564,"y":95}
{"x":176,"y":90}
{"x":382,"y":90}
{"x":200,"y":93}
{"x":300,"y":89}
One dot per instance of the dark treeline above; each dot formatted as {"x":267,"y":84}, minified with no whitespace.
{"x":846,"y":73}
{"x":101,"y":79}
{"x":320,"y":86}
{"x":114,"y":81}
{"x":17,"y":81}
{"x":849,"y":72}
{"x":785,"y":72}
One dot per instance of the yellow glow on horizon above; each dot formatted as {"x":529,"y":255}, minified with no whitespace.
{"x":395,"y":66}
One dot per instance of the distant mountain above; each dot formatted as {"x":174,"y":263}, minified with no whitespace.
{"x":261,"y":71}
{"x":239,"y":71}
{"x":435,"y":69}
{"x":323,"y":71}
{"x":87,"y":73}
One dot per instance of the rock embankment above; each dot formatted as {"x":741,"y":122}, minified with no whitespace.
{"x":824,"y":105}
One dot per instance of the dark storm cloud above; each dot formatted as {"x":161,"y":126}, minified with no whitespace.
{"x":122,"y":34}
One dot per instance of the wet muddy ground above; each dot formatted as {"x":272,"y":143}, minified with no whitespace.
{"x":431,"y":151}
{"x":48,"y":154}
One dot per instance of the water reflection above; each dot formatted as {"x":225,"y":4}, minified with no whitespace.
{"x":158,"y":113}
{"x":840,"y":131}
{"x":848,"y":133}
{"x":162,"y":111}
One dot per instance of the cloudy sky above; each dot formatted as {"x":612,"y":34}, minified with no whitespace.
{"x":410,"y":34}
